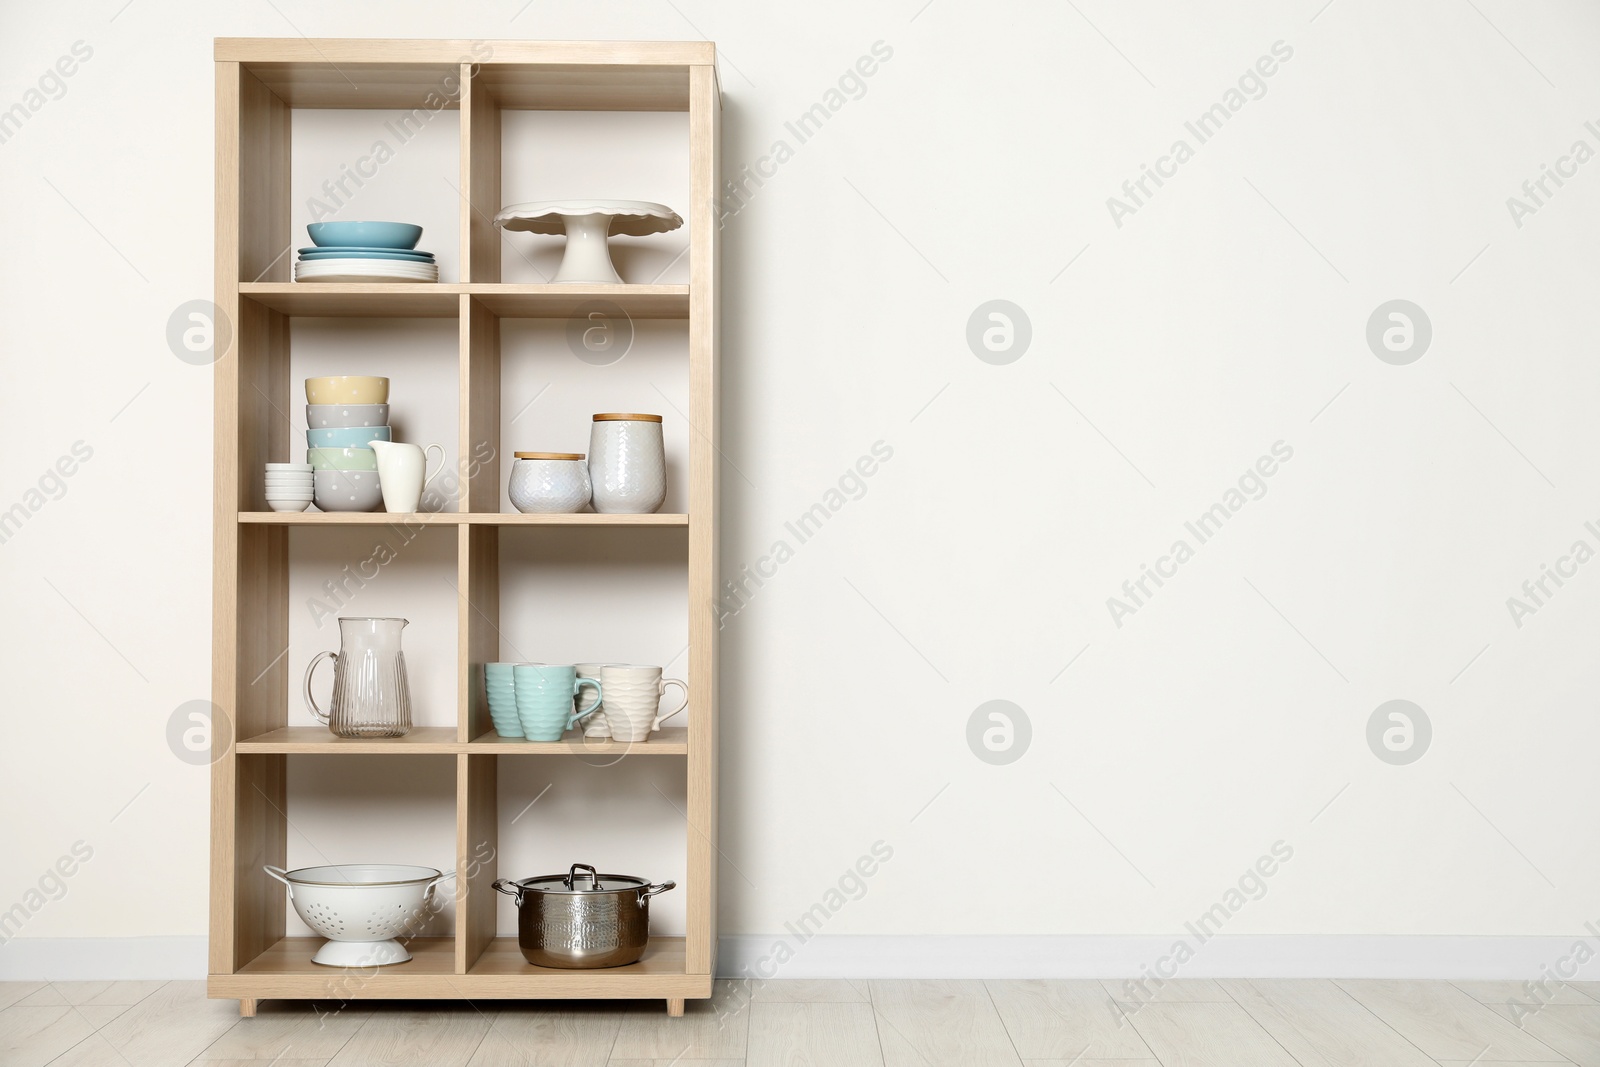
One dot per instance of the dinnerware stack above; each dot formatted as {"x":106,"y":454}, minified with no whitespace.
{"x":289,"y":486}
{"x":344,"y":415}
{"x":365,"y":252}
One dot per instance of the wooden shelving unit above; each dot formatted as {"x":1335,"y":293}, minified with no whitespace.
{"x":260,"y":82}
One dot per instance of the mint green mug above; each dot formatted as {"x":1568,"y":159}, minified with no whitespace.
{"x":545,"y":695}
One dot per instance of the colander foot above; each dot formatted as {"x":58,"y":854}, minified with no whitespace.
{"x":360,"y":953}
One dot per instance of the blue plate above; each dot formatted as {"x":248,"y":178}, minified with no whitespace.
{"x":334,"y":249}
{"x":315,"y":257}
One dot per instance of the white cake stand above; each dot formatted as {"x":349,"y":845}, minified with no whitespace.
{"x":587,"y":224}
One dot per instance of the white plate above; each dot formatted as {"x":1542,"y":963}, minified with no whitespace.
{"x":365,"y":270}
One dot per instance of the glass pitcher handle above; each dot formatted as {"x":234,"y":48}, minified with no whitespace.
{"x":311,"y":705}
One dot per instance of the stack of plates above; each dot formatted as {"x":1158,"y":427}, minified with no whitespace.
{"x":354,"y":263}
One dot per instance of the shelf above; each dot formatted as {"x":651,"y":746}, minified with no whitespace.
{"x":453,"y":518}
{"x":442,"y":300}
{"x":285,"y":971}
{"x":422,"y":740}
{"x":441,"y":740}
{"x":671,"y":741}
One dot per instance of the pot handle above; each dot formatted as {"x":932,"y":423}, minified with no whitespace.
{"x":509,"y":888}
{"x":655,"y":890}
{"x":572,"y":875}
{"x":280,"y":874}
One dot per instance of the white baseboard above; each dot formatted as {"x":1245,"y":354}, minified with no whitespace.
{"x":1286,"y":956}
{"x":837,"y":956}
{"x":102,"y":959}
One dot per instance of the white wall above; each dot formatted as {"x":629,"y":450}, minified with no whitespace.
{"x":1227,"y":313}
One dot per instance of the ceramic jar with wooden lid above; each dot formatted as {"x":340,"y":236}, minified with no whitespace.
{"x":627,"y":464}
{"x":548,"y":483}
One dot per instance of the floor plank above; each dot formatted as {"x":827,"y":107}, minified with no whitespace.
{"x":291,"y":1030}
{"x":685,"y":1063}
{"x":171,"y":1026}
{"x":33,"y":1036}
{"x":580,"y":1036}
{"x":810,"y":991}
{"x":1062,"y":1019}
{"x":1500,"y":994}
{"x":102,"y":994}
{"x":708,"y":1029}
{"x":1444,"y":1022}
{"x":1107,"y":1063}
{"x":1321,"y":1025}
{"x":931,"y":1023}
{"x":1571,"y":1030}
{"x":415,"y":1038}
{"x":813,"y":1035}
{"x":12,"y":992}
{"x":1208,"y":1035}
{"x":1172,"y":991}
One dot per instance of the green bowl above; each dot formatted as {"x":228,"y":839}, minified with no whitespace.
{"x":342,"y":459}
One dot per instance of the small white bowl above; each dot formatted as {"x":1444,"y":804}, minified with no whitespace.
{"x":278,"y":468}
{"x":288,"y":505}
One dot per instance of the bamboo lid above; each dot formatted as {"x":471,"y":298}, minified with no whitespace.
{"x":548,"y":455}
{"x":622,"y":416}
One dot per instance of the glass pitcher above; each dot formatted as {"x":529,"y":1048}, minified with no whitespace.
{"x":370,"y":694}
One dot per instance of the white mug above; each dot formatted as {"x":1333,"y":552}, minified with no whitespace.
{"x":632,"y":713}
{"x":595,"y":725}
{"x":401,"y":469}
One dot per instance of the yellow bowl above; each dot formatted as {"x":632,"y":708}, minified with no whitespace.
{"x":347,"y":389}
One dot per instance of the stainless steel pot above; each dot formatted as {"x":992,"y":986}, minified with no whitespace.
{"x":565,"y":921}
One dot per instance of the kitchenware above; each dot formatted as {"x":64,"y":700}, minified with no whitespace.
{"x":587,"y":224}
{"x":347,"y":389}
{"x":402,"y":473}
{"x":627,"y":464}
{"x":360,"y":907}
{"x":347,"y":490}
{"x":325,"y":250}
{"x":328,"y":416}
{"x":352,"y":253}
{"x":549,"y":482}
{"x":501,"y":690}
{"x":595,"y":724}
{"x":290,"y":492}
{"x":544,"y":695}
{"x":288,"y":504}
{"x":342,"y":459}
{"x":289,"y":477}
{"x":287,"y":468}
{"x":582,"y":920}
{"x":365,"y":234}
{"x":633,"y":697}
{"x":370,"y":695}
{"x":358,"y":270}
{"x":347,"y":436}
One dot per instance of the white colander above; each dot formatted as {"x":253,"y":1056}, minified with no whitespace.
{"x":360,"y":908}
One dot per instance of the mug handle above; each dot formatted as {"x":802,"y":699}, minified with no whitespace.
{"x":436,"y":471}
{"x":681,"y":685}
{"x":311,"y":705}
{"x":599,"y":696}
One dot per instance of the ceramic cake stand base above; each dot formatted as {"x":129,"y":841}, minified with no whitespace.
{"x":587,"y":224}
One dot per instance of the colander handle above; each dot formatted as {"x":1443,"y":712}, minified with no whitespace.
{"x":281,"y":875}
{"x":433,"y":884}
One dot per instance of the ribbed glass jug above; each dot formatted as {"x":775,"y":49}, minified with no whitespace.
{"x":370,"y":694}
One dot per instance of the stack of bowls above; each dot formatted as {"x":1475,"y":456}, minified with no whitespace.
{"x":365,"y":252}
{"x":344,"y":415}
{"x":289,"y":486}
{"x":498,"y":681}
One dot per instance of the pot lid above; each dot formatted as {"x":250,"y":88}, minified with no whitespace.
{"x":582,"y":879}
{"x":625,"y":416}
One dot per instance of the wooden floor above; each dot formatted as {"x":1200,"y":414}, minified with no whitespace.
{"x":1198,"y":1023}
